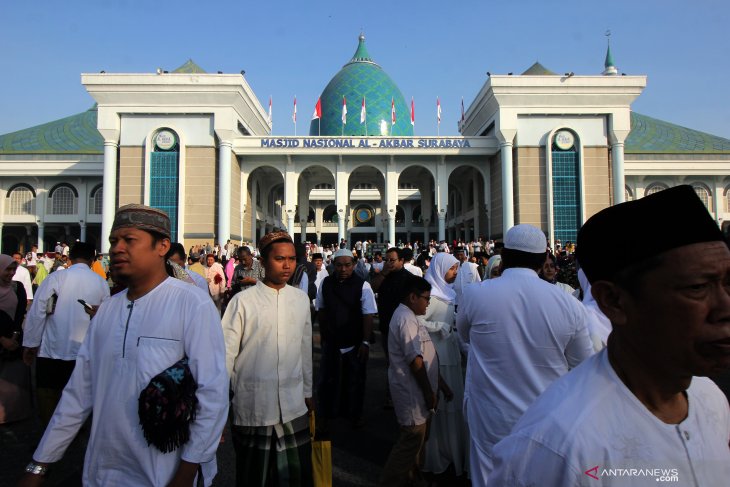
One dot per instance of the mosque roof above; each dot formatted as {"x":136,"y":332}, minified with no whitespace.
{"x":649,"y":135}
{"x":76,"y":134}
{"x":538,"y":69}
{"x":362,"y":78}
{"x":189,"y":67}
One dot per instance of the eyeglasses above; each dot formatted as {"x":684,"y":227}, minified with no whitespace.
{"x":427,"y":298}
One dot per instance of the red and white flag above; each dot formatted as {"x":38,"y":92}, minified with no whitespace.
{"x":294,"y":113}
{"x":363,"y":113}
{"x":392,"y":111}
{"x":344,"y":110}
{"x":317,"y":110}
{"x":413,"y":112}
{"x":271,"y":120}
{"x":438,"y":110}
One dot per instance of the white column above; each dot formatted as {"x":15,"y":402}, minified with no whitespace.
{"x":716,"y":201}
{"x":341,"y":197}
{"x":82,"y":235}
{"x":41,"y":235}
{"x":508,"y":198}
{"x":290,"y":198}
{"x":253,"y":209}
{"x":109,"y":197}
{"x":224,"y":191}
{"x":617,"y":167}
{"x":442,"y":226}
{"x":476,"y":206}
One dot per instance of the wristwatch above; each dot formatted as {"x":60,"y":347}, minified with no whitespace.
{"x":35,"y":469}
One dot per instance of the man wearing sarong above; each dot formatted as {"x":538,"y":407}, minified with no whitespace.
{"x":268,"y":334}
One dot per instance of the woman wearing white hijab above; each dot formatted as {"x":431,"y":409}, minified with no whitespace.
{"x":448,"y":437}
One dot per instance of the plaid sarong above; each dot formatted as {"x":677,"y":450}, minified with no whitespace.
{"x":278,"y":455}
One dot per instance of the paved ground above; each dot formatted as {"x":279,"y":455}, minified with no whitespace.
{"x":357,"y":455}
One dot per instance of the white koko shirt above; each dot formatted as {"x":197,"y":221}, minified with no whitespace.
{"x":588,"y":429}
{"x":268,"y":336}
{"x":128,"y":343}
{"x":60,"y":334}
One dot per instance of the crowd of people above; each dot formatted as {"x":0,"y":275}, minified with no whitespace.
{"x":509,"y":363}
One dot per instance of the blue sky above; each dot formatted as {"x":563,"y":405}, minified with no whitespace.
{"x":429,"y":48}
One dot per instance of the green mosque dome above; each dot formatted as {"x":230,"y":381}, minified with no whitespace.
{"x":362,"y":77}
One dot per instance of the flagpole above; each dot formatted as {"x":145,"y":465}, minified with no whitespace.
{"x":438,"y":118}
{"x":295,"y":115}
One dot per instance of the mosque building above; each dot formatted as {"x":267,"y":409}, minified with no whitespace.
{"x":541,"y":148}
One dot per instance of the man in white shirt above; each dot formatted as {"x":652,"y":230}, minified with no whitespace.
{"x":525,"y":333}
{"x":408,"y":262}
{"x":23,"y":276}
{"x":136,"y":335}
{"x":318,"y":262}
{"x":637,"y":413}
{"x":60,"y":334}
{"x":268,"y":336}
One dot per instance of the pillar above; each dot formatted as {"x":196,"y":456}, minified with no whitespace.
{"x":716,"y":201}
{"x":82,"y":235}
{"x":224,"y":191}
{"x":476,"y":207}
{"x":341,"y":197}
{"x":617,"y":167}
{"x":508,"y":198}
{"x":109,"y":197}
{"x":442,"y":226}
{"x":41,"y":236}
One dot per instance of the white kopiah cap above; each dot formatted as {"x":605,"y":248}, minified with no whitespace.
{"x":343,"y":253}
{"x":526,"y":238}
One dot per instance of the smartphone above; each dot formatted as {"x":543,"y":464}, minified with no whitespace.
{"x":85,"y":304}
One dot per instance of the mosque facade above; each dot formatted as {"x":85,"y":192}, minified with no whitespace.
{"x":540,"y":148}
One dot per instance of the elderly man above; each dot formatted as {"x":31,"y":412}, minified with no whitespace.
{"x":136,"y":335}
{"x":637,"y":413}
{"x":247,"y":273}
{"x":524,"y":334}
{"x":268,"y":335}
{"x":346,"y":305}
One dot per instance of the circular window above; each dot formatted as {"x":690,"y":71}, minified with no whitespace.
{"x":364,"y":215}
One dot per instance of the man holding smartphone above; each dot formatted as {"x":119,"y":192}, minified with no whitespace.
{"x":53,"y":339}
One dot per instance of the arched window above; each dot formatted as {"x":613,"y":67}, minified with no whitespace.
{"x":628,"y":194}
{"x":329,"y":215}
{"x":406,"y":186}
{"x":565,"y":185}
{"x":417,"y":217}
{"x":704,"y":194}
{"x":363,"y":186}
{"x":323,"y":186}
{"x":96,"y":200}
{"x":21,"y":200}
{"x":62,"y":200}
{"x":400,"y":215}
{"x":655,"y":188}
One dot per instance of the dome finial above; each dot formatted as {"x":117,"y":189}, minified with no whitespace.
{"x":361,"y":54}
{"x":609,"y":66}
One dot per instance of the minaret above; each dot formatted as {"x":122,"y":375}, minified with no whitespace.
{"x":609,"y":66}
